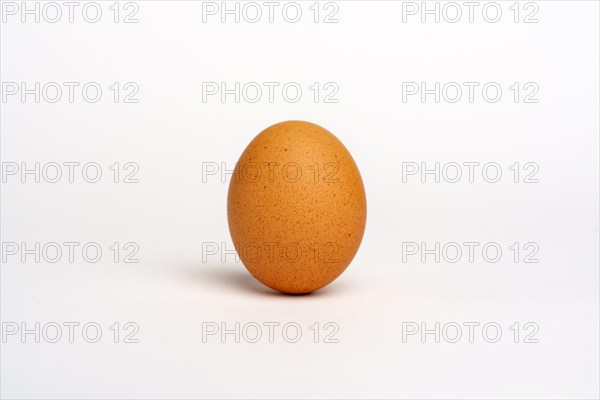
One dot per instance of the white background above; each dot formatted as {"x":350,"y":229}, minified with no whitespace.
{"x":171,"y":212}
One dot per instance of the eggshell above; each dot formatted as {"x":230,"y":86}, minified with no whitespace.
{"x":296,"y":207}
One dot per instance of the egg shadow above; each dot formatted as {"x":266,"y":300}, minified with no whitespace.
{"x":234,"y":277}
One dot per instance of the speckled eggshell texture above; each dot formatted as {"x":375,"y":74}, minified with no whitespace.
{"x":296,"y":207}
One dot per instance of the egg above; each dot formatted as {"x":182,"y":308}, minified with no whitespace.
{"x":296,"y":207}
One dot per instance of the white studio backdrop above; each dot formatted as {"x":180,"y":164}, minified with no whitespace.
{"x":476,"y":130}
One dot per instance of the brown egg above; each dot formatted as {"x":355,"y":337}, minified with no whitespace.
{"x":296,"y":207}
